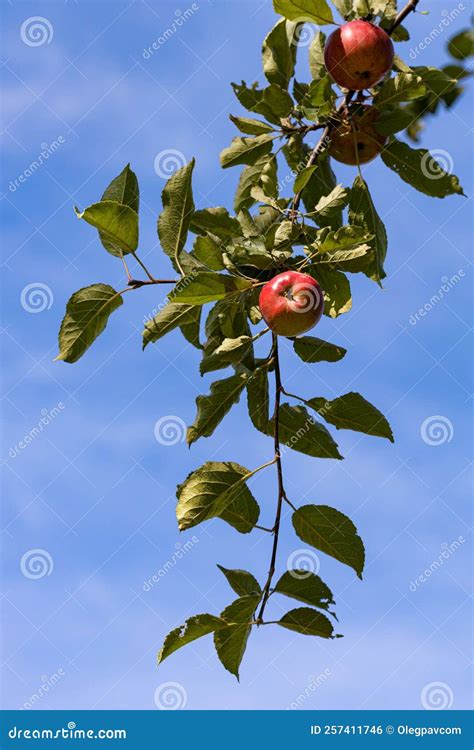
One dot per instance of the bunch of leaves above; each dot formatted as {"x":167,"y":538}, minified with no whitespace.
{"x":221,"y":260}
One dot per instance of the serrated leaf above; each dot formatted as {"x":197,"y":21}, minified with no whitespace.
{"x":208,"y":251}
{"x":124,"y":190}
{"x":178,"y":207}
{"x":306,"y":587}
{"x":299,"y":431}
{"x":420,"y":169}
{"x":87,"y":314}
{"x":308,"y":622}
{"x":327,"y":205}
{"x":303,"y":177}
{"x":231,"y":640}
{"x":353,"y":412}
{"x":315,"y":11}
{"x":279,"y":54}
{"x":258,"y":399}
{"x":316,"y":55}
{"x":246,"y":150}
{"x":333,"y":533}
{"x":401,"y":88}
{"x":191,"y":327}
{"x":169,"y":318}
{"x":336,"y":289}
{"x":437,"y":81}
{"x":212,"y":409}
{"x":242,"y":582}
{"x":272,"y":102}
{"x":205,"y":286}
{"x":217,"y":490}
{"x":117,"y":225}
{"x":249,"y":126}
{"x":311,"y":349}
{"x":262,"y":173}
{"x":216,"y":221}
{"x":362,"y":212}
{"x":195,"y":627}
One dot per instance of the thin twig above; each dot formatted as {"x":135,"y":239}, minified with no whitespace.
{"x":152,"y":278}
{"x":281,"y":489}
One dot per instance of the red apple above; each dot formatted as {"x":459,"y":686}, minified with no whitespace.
{"x":358,"y":55}
{"x":291,"y":303}
{"x":355,"y":139}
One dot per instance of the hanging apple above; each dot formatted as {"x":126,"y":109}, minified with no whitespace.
{"x":358,"y":55}
{"x":355,"y":140}
{"x":291,"y":303}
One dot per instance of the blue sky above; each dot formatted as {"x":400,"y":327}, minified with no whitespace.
{"x":95,"y":491}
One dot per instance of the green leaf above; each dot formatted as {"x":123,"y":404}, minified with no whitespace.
{"x":178,"y":207}
{"x":315,"y":11}
{"x":327,"y":205}
{"x":461,"y":46}
{"x":246,"y":150}
{"x":336,"y":290}
{"x":438,"y":82}
{"x":217,"y":490}
{"x":87,"y":314}
{"x":216,"y":221}
{"x":258,"y":400}
{"x":242,"y":582}
{"x":391,"y":121}
{"x":306,"y":587}
{"x":212,"y":409}
{"x":353,"y":412}
{"x":169,"y":318}
{"x":311,"y":349}
{"x":344,"y":7}
{"x":316,"y":55}
{"x":330,"y":531}
{"x":205,"y":286}
{"x":279,"y":54}
{"x":251,"y":127}
{"x":308,"y":622}
{"x":195,"y":627}
{"x":420,"y":169}
{"x":299,"y":431}
{"x":401,"y":88}
{"x":117,"y":225}
{"x":272,"y":102}
{"x":191,"y":327}
{"x":362,"y":212}
{"x":264,"y":174}
{"x":321,"y":183}
{"x":124,"y":189}
{"x":303,"y":178}
{"x":231,"y":640}
{"x":208,"y":251}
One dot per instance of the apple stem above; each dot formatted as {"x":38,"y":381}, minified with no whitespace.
{"x":281,"y":489}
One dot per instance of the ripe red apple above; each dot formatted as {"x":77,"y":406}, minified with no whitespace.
{"x":355,"y":139}
{"x":291,"y":303}
{"x":358,"y":55}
